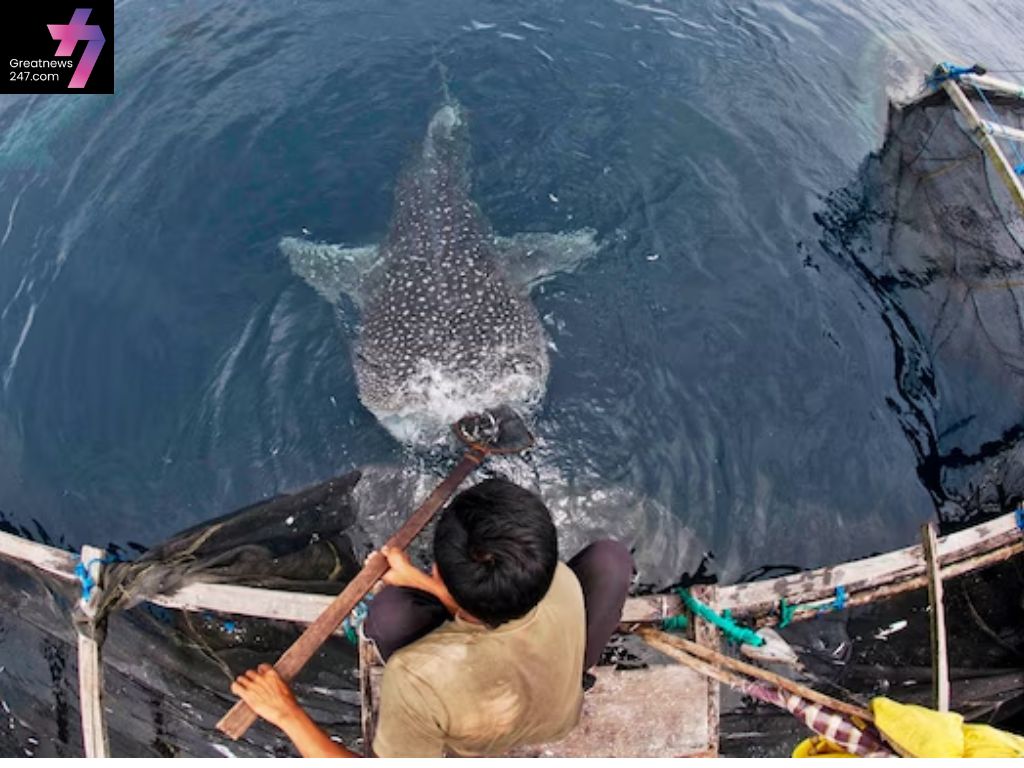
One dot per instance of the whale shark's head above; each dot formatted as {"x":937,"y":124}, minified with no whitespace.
{"x":447,"y":327}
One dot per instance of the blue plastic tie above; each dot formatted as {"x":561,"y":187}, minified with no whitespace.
{"x":85,"y":578}
{"x":840,"y":601}
{"x":1019,"y":169}
{"x":1019,"y":516}
{"x":949,"y":71}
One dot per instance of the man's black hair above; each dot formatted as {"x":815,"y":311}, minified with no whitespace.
{"x":496,"y":549}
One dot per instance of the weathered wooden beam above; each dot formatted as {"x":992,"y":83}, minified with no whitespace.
{"x":370,"y":670}
{"x":865,"y":580}
{"x":304,"y":607}
{"x":940,"y":660}
{"x":54,"y":561}
{"x":985,"y":139}
{"x":887,"y":590}
{"x":708,"y":636}
{"x":762,"y":597}
{"x":90,"y":664}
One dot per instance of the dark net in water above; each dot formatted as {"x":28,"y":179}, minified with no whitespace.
{"x":167,"y":673}
{"x":930,"y":231}
{"x":934,"y":241}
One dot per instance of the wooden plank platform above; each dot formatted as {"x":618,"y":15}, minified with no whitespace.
{"x":661,"y":711}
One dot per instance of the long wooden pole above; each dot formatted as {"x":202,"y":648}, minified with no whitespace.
{"x":90,"y":665}
{"x":239,"y":719}
{"x":937,"y":620}
{"x":662,"y":641}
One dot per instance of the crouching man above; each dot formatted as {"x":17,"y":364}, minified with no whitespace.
{"x":488,"y":651}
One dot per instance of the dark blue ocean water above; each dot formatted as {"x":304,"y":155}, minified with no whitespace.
{"x":160,"y":364}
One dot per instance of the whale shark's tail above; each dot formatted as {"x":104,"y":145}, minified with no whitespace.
{"x":442,"y":72}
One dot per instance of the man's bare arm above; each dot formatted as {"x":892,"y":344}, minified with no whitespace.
{"x":402,"y":573}
{"x":270,"y":697}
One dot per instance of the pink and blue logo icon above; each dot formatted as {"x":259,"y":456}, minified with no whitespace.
{"x":69,"y":36}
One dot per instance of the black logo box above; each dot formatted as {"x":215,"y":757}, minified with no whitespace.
{"x":28,"y":60}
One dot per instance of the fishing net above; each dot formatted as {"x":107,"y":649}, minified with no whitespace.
{"x":930,"y":231}
{"x":935,"y":244}
{"x":168,"y":672}
{"x":297,"y":542}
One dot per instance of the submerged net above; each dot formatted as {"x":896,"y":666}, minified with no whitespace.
{"x":935,"y":244}
{"x":299,"y":542}
{"x":167,"y":673}
{"x":930,"y":231}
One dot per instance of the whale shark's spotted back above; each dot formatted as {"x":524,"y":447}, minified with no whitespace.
{"x":443,"y":328}
{"x":447,"y":326}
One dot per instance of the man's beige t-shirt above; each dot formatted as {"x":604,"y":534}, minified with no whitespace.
{"x":468,"y":690}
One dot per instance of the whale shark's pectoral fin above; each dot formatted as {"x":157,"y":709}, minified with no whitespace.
{"x":332,"y":270}
{"x":532,"y":258}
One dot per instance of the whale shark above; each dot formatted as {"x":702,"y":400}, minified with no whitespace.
{"x":446,"y":325}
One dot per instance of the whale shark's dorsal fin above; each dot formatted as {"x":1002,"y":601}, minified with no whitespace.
{"x":332,"y":270}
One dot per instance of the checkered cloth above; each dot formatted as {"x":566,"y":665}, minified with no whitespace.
{"x":861,"y":741}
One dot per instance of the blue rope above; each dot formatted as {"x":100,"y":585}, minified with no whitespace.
{"x":1018,"y":515}
{"x":355,"y":620}
{"x":85,"y":578}
{"x":675,"y":623}
{"x":948,"y":71}
{"x":733,"y":631}
{"x":787,"y":611}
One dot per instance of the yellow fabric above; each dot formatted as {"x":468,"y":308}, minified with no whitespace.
{"x":986,"y":741}
{"x":915,"y":731}
{"x":818,"y":746}
{"x":468,"y":690}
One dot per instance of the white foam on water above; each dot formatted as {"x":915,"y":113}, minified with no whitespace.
{"x":511,"y":36}
{"x":434,"y":398}
{"x":544,"y":53}
{"x":10,"y":219}
{"x":9,"y":371}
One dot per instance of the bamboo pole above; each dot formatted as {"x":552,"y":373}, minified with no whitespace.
{"x":995,"y":84}
{"x":660,"y":640}
{"x":1005,"y":131}
{"x":90,"y":665}
{"x":937,"y":622}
